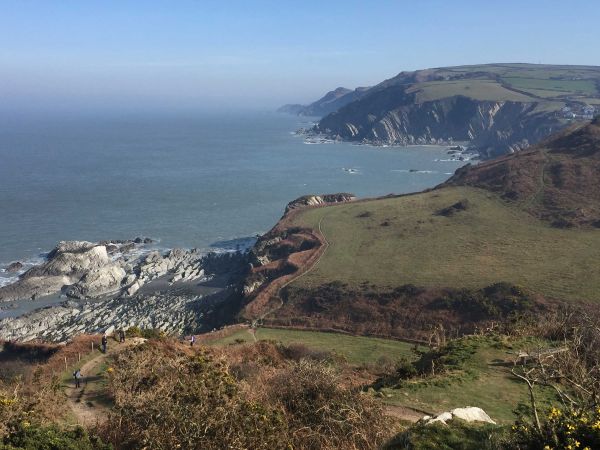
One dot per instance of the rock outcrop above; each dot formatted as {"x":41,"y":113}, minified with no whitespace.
{"x":97,"y":282}
{"x":14,"y":267}
{"x":174,"y":307}
{"x":82,"y":269}
{"x":468,"y":414}
{"x":170,"y":313}
{"x":318,"y":200}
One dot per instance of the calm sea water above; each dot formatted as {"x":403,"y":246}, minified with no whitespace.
{"x":185,"y":181}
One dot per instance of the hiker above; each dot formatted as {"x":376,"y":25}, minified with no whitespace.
{"x":121,"y":335}
{"x":104,"y":343}
{"x":77,"y":375}
{"x":192,"y":340}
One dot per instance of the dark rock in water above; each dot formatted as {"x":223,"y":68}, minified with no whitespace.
{"x":14,"y":267}
{"x":127,"y":247}
{"x":148,"y":241}
{"x":112,"y":248}
{"x":413,"y":170}
{"x":138,"y":240}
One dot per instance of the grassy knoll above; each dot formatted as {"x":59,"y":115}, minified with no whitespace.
{"x":356,"y":349}
{"x":395,"y":241}
{"x":483,"y":379}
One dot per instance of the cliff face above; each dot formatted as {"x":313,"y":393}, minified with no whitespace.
{"x":392,"y":116}
{"x":498,"y":108}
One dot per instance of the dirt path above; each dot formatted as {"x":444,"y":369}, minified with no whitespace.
{"x":89,"y":403}
{"x":403,"y":413}
{"x":252,"y":332}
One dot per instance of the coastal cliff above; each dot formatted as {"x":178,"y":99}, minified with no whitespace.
{"x":496,"y":108}
{"x":330,"y":102}
{"x":493,"y":127}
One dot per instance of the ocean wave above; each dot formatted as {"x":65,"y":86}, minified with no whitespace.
{"x":414,"y":171}
{"x":234,"y":244}
{"x":6,"y":280}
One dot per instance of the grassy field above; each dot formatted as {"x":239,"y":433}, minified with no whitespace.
{"x":396,"y":241}
{"x":477,"y":89}
{"x":487,"y":383}
{"x":558,"y":87}
{"x":356,"y":349}
{"x":539,"y":71}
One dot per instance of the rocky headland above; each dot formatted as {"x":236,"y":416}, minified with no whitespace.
{"x":489,"y":106}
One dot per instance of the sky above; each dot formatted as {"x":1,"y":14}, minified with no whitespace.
{"x":204,"y":54}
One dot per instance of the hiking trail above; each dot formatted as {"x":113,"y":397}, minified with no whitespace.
{"x":90,"y":404}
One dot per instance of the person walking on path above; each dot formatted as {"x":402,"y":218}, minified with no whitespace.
{"x":121,"y":335}
{"x":77,"y":375}
{"x":104,"y":343}
{"x":192,"y":340}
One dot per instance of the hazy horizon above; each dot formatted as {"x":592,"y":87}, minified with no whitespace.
{"x":197,"y":56}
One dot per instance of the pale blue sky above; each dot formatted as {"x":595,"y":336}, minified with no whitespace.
{"x":67,"y":54}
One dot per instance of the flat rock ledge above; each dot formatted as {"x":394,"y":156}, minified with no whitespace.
{"x":169,"y":313}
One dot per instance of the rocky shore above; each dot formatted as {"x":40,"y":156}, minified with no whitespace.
{"x":109,"y":285}
{"x":81,"y":269}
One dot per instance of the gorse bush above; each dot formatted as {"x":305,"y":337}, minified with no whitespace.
{"x":169,"y":397}
{"x":29,"y":437}
{"x":166,"y":401}
{"x":321,"y":413}
{"x":571,"y":429}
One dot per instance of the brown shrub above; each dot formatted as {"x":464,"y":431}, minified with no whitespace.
{"x":321,"y":414}
{"x":166,"y":400}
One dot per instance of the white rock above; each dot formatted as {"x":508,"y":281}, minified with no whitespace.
{"x":472,"y":414}
{"x":443,"y":418}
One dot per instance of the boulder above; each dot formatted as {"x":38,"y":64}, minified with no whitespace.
{"x":472,"y":414}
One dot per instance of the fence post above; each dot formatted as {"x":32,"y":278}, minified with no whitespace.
{"x":66,"y":365}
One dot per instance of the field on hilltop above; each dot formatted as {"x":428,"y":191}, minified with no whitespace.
{"x":415,"y":240}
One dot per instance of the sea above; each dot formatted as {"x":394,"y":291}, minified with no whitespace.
{"x":209,"y":181}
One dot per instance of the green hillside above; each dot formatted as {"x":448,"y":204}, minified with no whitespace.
{"x":395,"y":241}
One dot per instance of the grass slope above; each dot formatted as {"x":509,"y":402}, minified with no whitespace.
{"x":356,"y":349}
{"x":395,"y":241}
{"x":484,"y":380}
{"x":476,"y":89}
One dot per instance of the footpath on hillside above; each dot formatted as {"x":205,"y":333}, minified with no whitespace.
{"x":90,"y":404}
